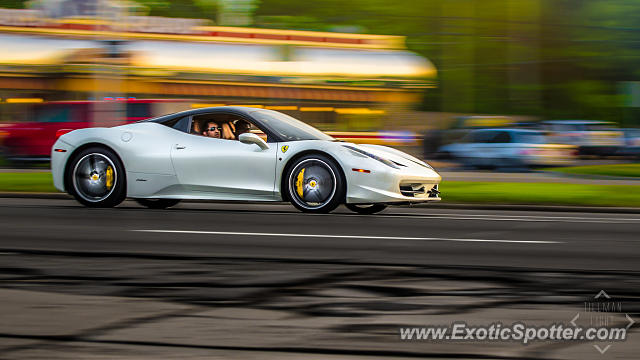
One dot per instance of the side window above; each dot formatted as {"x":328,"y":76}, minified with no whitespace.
{"x":55,"y":113}
{"x":501,"y":137}
{"x":229,"y":126}
{"x":182,"y":124}
{"x":178,"y":123}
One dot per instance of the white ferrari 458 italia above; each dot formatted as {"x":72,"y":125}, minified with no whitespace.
{"x":235,"y":153}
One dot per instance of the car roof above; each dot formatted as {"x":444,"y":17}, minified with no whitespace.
{"x":524,"y":131}
{"x":577,"y":122}
{"x":239,"y":110}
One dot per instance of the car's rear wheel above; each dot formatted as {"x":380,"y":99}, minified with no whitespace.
{"x":366,"y":209}
{"x":315,"y":184}
{"x":96,"y":178}
{"x":157,"y":203}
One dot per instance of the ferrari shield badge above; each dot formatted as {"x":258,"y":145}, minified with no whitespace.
{"x":284,"y":148}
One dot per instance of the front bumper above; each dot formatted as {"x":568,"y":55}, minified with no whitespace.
{"x":413,"y":185}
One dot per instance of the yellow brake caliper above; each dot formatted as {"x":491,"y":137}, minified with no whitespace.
{"x":299,"y":183}
{"x":109,"y":175}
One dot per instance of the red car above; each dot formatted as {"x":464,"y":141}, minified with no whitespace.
{"x":31,"y":141}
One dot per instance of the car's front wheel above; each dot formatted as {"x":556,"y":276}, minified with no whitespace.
{"x":366,"y":209}
{"x":157,"y":203}
{"x":315,"y":184}
{"x":96,"y":178}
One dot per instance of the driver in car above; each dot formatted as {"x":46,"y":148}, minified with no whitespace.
{"x":212,"y":130}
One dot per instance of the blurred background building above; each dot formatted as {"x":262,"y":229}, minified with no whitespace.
{"x":324,"y":62}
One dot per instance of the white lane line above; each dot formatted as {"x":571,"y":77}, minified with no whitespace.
{"x":496,"y":218}
{"x":487,"y":217}
{"x":537,"y":216}
{"x":349,"y":236}
{"x":583,"y":218}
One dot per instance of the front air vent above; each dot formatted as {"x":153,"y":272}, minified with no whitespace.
{"x":412,"y":190}
{"x":434,"y":192}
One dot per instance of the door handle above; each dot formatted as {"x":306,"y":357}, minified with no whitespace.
{"x":180,"y":147}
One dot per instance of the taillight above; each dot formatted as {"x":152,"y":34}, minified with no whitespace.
{"x":61,"y":132}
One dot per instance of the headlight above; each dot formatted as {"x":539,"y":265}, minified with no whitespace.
{"x":376,"y":157}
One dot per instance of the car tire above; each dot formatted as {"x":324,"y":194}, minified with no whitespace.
{"x":366,"y":209}
{"x":95,"y":177}
{"x":157,"y":203}
{"x":315,"y":184}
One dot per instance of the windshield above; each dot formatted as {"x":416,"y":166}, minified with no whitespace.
{"x":532,"y":138}
{"x":289,"y":128}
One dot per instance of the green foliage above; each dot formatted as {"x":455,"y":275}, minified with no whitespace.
{"x":13,"y":4}
{"x":200,"y":9}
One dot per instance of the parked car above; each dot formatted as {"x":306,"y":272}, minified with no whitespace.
{"x":592,"y":137}
{"x":494,"y":148}
{"x":31,"y":140}
{"x":631,"y":142}
{"x":459,"y":128}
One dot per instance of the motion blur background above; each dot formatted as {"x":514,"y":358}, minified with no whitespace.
{"x":513,"y":102}
{"x":420,"y":74}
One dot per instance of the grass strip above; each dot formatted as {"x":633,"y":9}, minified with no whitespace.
{"x":540,"y":193}
{"x":623,"y":170}
{"x":26,"y":182}
{"x":452,"y":191}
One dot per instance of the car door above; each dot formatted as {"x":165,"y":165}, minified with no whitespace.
{"x":224,"y":169}
{"x":477,"y":151}
{"x":501,"y":147}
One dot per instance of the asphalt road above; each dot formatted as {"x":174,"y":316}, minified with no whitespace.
{"x":213,"y":280}
{"x":411,"y":236}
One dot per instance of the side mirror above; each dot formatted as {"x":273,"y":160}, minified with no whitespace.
{"x":250,"y":138}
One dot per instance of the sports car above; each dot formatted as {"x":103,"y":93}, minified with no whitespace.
{"x":235,"y":153}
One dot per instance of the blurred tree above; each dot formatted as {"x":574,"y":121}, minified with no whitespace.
{"x":201,"y":9}
{"x":13,"y":4}
{"x":549,"y":58}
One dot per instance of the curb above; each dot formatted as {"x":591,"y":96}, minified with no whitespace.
{"x":456,"y":206}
